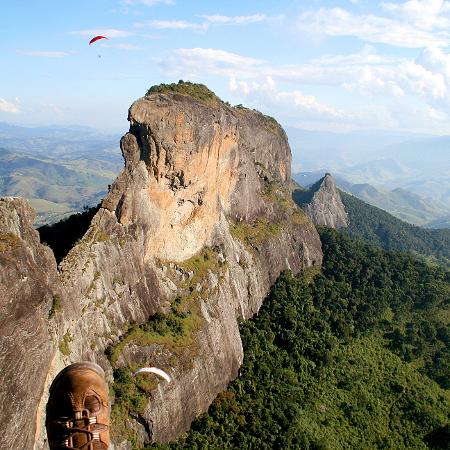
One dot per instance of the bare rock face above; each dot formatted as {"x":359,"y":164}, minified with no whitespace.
{"x":28,"y":286}
{"x":323,"y":204}
{"x":196,"y":228}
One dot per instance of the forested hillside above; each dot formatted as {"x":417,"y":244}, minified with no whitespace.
{"x":378,"y":227}
{"x":353,"y":357}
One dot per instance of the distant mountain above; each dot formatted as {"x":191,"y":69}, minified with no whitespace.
{"x":58,"y":169}
{"x":419,"y":164}
{"x":399,"y":202}
{"x":376,"y":226}
{"x":60,"y":142}
{"x":322,"y":203}
{"x":444,"y":222}
{"x":373,"y":225}
{"x":314,"y":150}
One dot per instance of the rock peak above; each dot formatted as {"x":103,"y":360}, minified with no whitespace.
{"x":322,"y":202}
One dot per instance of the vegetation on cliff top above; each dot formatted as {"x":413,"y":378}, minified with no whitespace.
{"x":195,"y":90}
{"x":345,"y":360}
{"x":204,"y":95}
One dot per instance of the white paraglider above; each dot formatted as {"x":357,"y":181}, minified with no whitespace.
{"x":154,"y":370}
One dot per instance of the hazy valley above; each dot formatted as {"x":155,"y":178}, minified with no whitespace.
{"x":62,"y":169}
{"x":58,"y":169}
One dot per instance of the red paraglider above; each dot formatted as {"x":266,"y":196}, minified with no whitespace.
{"x":96,"y":38}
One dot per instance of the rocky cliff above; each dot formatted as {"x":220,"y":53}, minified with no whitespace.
{"x":28,"y":281}
{"x":322,"y":203}
{"x":187,"y":243}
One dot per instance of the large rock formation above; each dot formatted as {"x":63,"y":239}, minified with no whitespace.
{"x":197,"y":227}
{"x":323,"y":204}
{"x":28,"y":279}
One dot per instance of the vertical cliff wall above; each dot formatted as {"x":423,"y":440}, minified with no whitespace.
{"x":28,"y":289}
{"x":197,"y":227}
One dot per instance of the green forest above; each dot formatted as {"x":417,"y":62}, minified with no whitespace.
{"x":356,"y":356}
{"x":378,"y":227}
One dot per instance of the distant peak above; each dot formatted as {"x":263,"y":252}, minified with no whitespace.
{"x":323,"y":204}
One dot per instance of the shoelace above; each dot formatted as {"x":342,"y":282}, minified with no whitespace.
{"x":83,"y":423}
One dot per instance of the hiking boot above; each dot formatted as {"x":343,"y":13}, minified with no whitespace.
{"x":78,"y":409}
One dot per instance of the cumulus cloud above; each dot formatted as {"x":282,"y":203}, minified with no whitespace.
{"x":423,"y":82}
{"x":192,"y":62}
{"x":239,"y":20}
{"x":171,"y":25}
{"x":427,"y":76}
{"x":9,"y":107}
{"x":208,"y":21}
{"x":374,"y":81}
{"x":424,"y":14}
{"x":328,"y":70}
{"x":295,"y":102}
{"x":109,"y":32}
{"x":370,"y":28}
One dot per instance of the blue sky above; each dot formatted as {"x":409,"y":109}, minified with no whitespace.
{"x":322,"y":65}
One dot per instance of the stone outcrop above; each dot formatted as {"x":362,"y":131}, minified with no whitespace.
{"x":197,"y":227}
{"x":323,"y":204}
{"x":28,"y":281}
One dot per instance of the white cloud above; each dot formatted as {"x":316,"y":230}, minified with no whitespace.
{"x":421,"y":86}
{"x":44,"y":54}
{"x":370,"y":28}
{"x":171,"y":25}
{"x":293,"y":102}
{"x":193,"y":62}
{"x":367,"y":55}
{"x":425,"y":14}
{"x":436,"y":114}
{"x":426,"y":77}
{"x":239,"y":20}
{"x":108,"y":32}
{"x":208,"y":21}
{"x":303,"y":110}
{"x":436,"y":60}
{"x":374,"y":81}
{"x":9,"y":107}
{"x":328,"y":70}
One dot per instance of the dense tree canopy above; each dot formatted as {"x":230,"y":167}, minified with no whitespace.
{"x":378,"y":227}
{"x":346,"y":360}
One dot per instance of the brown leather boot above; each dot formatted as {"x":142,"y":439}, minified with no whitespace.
{"x":78,"y":409}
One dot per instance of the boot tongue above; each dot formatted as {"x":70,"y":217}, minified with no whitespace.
{"x":79,"y":439}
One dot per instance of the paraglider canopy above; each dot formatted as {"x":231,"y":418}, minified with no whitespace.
{"x":154,"y":370}
{"x":96,"y":38}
